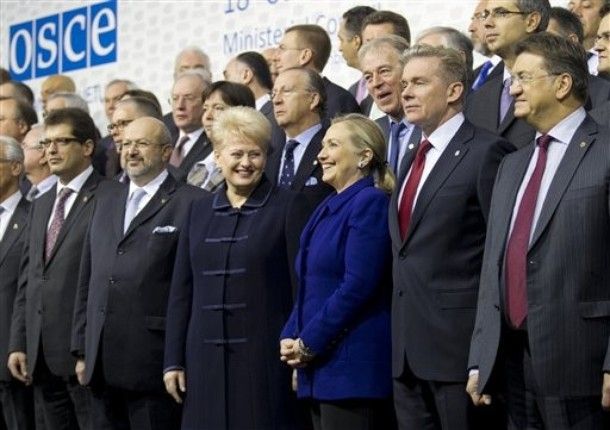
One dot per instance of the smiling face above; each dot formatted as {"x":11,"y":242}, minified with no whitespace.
{"x":242,"y":163}
{"x":142,"y":155}
{"x":381,"y":70}
{"x":339,"y":158}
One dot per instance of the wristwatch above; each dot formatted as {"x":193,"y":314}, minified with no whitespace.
{"x":306,"y":353}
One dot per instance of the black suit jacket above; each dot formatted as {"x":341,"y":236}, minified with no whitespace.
{"x":601,"y":114}
{"x":201,"y":149}
{"x":414,"y":139}
{"x":483,"y":110}
{"x":168,"y":120}
{"x":267,"y":110}
{"x":11,"y":252}
{"x":44,"y":302}
{"x":338,"y":101}
{"x":119,"y":316}
{"x":366,"y":104}
{"x":436,"y":268}
{"x":599,"y":92}
{"x":568,"y":271}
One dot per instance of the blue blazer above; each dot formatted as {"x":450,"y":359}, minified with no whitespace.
{"x":342,"y":311}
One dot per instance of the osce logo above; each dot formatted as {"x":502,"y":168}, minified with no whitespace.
{"x":72,"y":40}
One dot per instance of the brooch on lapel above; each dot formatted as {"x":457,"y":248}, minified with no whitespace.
{"x":457,"y":153}
{"x":583,"y":144}
{"x":15,"y":226}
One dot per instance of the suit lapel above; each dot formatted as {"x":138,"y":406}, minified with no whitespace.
{"x":119,"y":214}
{"x":578,"y":147}
{"x":491,"y":90}
{"x":82,"y":200}
{"x":450,"y":158}
{"x":158,"y":201}
{"x":199,"y":151}
{"x":14,"y":229}
{"x":309,"y":162}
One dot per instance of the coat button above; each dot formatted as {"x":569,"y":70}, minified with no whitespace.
{"x":120,"y":251}
{"x":400,"y":293}
{"x":402,"y":255}
{"x":111,"y":281}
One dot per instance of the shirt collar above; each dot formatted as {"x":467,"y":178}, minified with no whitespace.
{"x":564,"y":130}
{"x":307,"y":135}
{"x":11,"y":202}
{"x":193,"y":135}
{"x":77,"y":183}
{"x":46,"y":184}
{"x":260,"y":102}
{"x":440,"y":138}
{"x":257,"y":199}
{"x":150,"y":188}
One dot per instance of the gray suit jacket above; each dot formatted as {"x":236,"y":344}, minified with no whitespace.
{"x":601,"y":114}
{"x":568,"y":271}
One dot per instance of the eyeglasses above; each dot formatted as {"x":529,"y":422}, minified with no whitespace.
{"x":499,"y":13}
{"x":119,"y":125}
{"x":188,"y":99}
{"x":59,"y":141}
{"x":524,"y":79}
{"x":140,"y":145}
{"x":287,"y":92}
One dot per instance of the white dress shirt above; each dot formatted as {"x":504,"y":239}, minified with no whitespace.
{"x":75,"y":185}
{"x":150,"y":189}
{"x":260,"y":102}
{"x":45,"y":185}
{"x":304,"y":138}
{"x":9,"y":205}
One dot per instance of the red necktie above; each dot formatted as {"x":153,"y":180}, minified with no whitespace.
{"x":408,"y":196}
{"x":57,"y":222}
{"x":518,"y":243}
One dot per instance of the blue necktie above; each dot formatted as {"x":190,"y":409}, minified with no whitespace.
{"x":287,"y":175}
{"x":482,"y":76}
{"x":395,"y":129}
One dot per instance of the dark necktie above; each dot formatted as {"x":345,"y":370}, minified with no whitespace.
{"x":505,"y":100}
{"x":482,"y":76}
{"x":518,"y":243}
{"x":395,"y":129}
{"x":176,"y":158}
{"x":408,"y":196}
{"x":287,"y":175}
{"x":32,"y":193}
{"x":57,"y":222}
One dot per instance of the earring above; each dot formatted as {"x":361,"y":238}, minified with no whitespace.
{"x":361,"y":164}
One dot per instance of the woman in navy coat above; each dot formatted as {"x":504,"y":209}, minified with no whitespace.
{"x":338,"y":335}
{"x":231,"y":291}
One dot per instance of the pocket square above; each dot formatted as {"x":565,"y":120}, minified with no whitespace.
{"x":311,"y":181}
{"x":166,"y":229}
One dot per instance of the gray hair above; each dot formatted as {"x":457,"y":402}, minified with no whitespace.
{"x":399,"y":44}
{"x":73,"y":100}
{"x":12,"y":148}
{"x":454,"y":39}
{"x":543,"y":7}
{"x":129,"y":84}
{"x":205,"y":59}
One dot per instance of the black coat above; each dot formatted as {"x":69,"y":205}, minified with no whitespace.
{"x":229,"y":299}
{"x":124,"y":283}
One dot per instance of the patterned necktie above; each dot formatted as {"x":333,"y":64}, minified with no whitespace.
{"x":57,"y":222}
{"x":395,"y":129}
{"x":505,"y":100}
{"x":176,"y":158}
{"x":518,"y":243}
{"x":408,"y":195}
{"x":197,"y":175}
{"x":32,"y":193}
{"x":361,"y":91}
{"x":287,"y":175}
{"x":133,"y":204}
{"x":482,"y":76}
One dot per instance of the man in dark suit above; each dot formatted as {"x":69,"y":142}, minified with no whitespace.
{"x":251,"y":69}
{"x":35,"y":165}
{"x":491,"y":106}
{"x":350,"y":41}
{"x":382,"y":64}
{"x":119,"y":325}
{"x":15,"y":398}
{"x":309,"y":46}
{"x":191,"y":144}
{"x":39,"y":348}
{"x":541,"y":338}
{"x":437,"y":221}
{"x":601,"y":114}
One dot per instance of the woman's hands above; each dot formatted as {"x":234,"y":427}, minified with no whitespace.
{"x":294,"y":353}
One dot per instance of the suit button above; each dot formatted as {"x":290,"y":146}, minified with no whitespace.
{"x":111,"y":281}
{"x":120,"y":251}
{"x":39,"y":311}
{"x":532,"y":263}
{"x":400,"y":293}
{"x":402,"y":255}
{"x":103,"y":311}
{"x":44,"y":277}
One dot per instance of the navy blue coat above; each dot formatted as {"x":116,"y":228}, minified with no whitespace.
{"x":342,"y":312}
{"x":230,"y":295}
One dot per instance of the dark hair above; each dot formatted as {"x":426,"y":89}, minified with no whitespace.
{"x":257,"y":63}
{"x":315,"y":84}
{"x":315,"y":38}
{"x":81,"y":123}
{"x":605,"y":10}
{"x":25,"y":111}
{"x":399,"y":22}
{"x":143,"y":94}
{"x":231,"y":93}
{"x":144,"y":105}
{"x":5,"y":76}
{"x":560,"y":56}
{"x":354,"y":18}
{"x":22,"y":90}
{"x":543,"y":7}
{"x":567,"y":22}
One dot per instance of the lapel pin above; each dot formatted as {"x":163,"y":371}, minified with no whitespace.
{"x":15,"y":226}
{"x":315,"y":162}
{"x":583,"y":144}
{"x":85,"y":199}
{"x":457,"y":153}
{"x":163,"y":201}
{"x":411,"y":146}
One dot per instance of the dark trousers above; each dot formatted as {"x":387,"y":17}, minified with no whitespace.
{"x":17,"y":405}
{"x":353,"y":414}
{"x":116,"y":408}
{"x":432,"y":405}
{"x":62,"y":403}
{"x":528,"y":409}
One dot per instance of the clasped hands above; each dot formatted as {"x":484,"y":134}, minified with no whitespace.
{"x":292,"y":353}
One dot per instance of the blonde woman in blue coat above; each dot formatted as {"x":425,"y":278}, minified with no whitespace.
{"x":338,"y":335}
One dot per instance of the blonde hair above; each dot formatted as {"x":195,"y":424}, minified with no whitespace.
{"x":244,"y":122}
{"x":365,"y":133}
